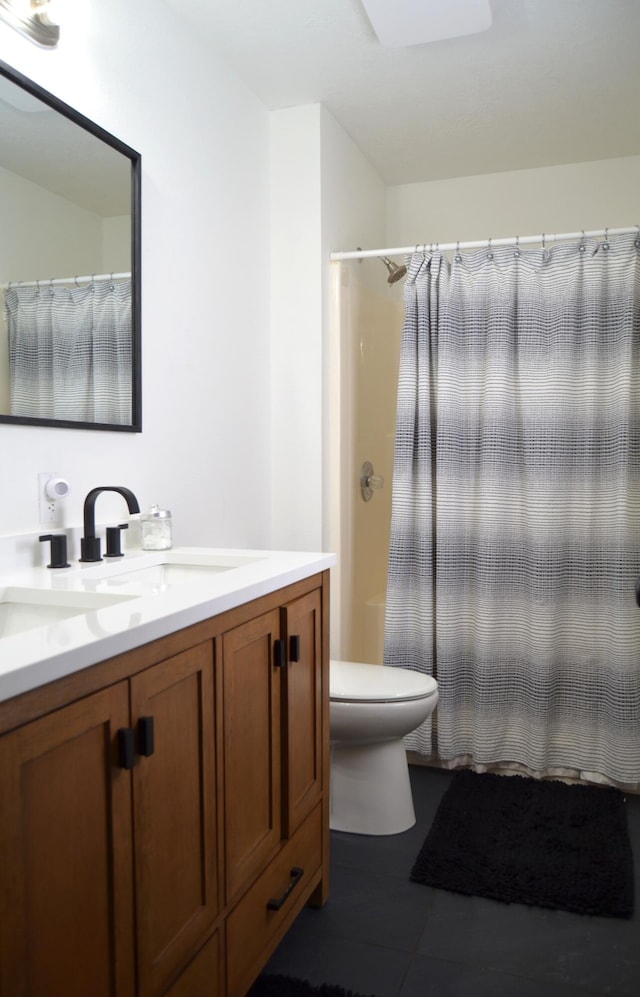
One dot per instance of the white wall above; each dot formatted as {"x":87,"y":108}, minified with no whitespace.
{"x":49,"y":236}
{"x":204,"y":451}
{"x":522,"y":202}
{"x":116,"y":244}
{"x":324,"y":193}
{"x":296,"y":328}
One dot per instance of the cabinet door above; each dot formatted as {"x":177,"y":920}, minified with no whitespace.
{"x":303,"y":709}
{"x":252,"y":751}
{"x":66,"y":876}
{"x":174,"y":813}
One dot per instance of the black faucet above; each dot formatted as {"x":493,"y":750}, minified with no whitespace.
{"x":90,"y":543}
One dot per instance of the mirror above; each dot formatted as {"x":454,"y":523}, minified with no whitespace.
{"x":69,"y":266}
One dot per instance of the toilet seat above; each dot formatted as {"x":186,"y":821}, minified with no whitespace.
{"x":358,"y":682}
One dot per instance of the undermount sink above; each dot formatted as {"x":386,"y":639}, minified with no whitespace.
{"x":174,"y":574}
{"x":24,"y":609}
{"x":177,"y":569}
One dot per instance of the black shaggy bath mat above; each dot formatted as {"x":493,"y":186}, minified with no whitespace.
{"x":286,"y":986}
{"x":520,"y":840}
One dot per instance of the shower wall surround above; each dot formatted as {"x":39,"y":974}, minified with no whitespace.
{"x":370,"y":327}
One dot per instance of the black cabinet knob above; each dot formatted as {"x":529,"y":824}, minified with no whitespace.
{"x":146,"y":743}
{"x":279,"y":654}
{"x":126,"y":748}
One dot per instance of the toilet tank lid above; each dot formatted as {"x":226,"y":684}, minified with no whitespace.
{"x":355,"y":680}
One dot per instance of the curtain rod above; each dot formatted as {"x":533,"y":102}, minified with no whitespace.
{"x":361,"y":254}
{"x":64,"y":280}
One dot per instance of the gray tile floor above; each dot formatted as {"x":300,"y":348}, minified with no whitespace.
{"x":381,"y":934}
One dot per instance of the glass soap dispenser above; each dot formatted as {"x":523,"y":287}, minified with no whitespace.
{"x":157,"y":532}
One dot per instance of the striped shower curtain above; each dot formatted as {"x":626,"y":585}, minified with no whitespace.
{"x":515,"y":537}
{"x":70,"y":351}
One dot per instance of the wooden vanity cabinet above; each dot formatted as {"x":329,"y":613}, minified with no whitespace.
{"x":274,"y":777}
{"x":66,"y":848}
{"x":81,"y":832}
{"x":179,"y":875}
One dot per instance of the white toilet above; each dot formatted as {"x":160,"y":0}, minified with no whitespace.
{"x":372,"y":708}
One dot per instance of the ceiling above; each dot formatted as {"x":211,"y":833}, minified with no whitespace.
{"x":550,"y":82}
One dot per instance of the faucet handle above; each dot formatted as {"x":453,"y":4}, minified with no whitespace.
{"x":114,"y":534}
{"x":58,"y":549}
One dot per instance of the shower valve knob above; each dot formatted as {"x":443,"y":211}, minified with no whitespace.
{"x":369,"y":481}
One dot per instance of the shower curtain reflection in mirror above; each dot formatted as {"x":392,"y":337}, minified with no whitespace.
{"x":70,"y":351}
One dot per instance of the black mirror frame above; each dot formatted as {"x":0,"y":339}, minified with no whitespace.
{"x":136,"y":246}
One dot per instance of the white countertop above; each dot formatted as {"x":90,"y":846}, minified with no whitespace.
{"x":149,"y":610}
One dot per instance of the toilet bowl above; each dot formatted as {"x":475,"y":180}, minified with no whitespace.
{"x":372,"y":707}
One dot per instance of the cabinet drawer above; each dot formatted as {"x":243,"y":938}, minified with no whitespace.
{"x":267,"y":910}
{"x":201,"y":977}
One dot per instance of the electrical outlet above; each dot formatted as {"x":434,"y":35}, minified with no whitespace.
{"x":51,"y":490}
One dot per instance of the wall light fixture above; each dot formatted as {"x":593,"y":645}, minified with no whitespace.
{"x":33,"y":18}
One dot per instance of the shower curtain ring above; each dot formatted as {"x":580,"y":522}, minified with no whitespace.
{"x":457,"y":257}
{"x":517,"y":249}
{"x":489,"y":251}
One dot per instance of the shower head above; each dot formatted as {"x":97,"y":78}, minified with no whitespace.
{"x":395,"y":272}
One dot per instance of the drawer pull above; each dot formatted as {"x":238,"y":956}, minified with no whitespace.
{"x":296,"y":875}
{"x":294,"y":647}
